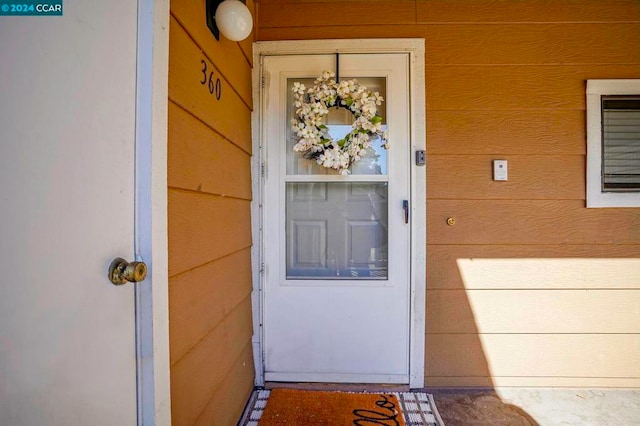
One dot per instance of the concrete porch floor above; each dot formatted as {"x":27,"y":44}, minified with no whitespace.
{"x":515,"y":406}
{"x":539,"y":406}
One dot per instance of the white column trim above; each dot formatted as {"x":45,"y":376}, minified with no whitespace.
{"x":150,"y":241}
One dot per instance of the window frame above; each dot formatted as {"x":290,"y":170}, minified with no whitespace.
{"x":596,"y":198}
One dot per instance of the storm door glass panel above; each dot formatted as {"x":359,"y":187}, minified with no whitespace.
{"x":336,"y":230}
{"x":339,"y":121}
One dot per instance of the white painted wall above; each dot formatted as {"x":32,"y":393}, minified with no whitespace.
{"x":68,"y":126}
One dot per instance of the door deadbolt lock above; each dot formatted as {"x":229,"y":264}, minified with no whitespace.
{"x":121,"y":271}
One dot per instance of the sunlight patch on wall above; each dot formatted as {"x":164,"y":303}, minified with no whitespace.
{"x":558,"y":273}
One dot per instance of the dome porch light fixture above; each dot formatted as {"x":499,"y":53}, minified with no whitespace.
{"x":231,"y":18}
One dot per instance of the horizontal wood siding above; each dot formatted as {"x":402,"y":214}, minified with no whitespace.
{"x":539,"y":266}
{"x":528,"y":288}
{"x":209,"y":180}
{"x":537,"y":311}
{"x":531,"y":177}
{"x":534,"y":355}
{"x":511,"y":132}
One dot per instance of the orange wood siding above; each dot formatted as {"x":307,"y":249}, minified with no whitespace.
{"x":529,"y":288}
{"x":209,"y":180}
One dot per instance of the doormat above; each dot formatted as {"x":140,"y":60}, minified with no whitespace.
{"x":292,"y":407}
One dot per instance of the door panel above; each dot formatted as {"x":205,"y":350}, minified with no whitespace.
{"x":67,"y":343}
{"x":336,"y":287}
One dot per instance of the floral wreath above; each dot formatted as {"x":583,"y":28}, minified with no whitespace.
{"x":311,"y":132}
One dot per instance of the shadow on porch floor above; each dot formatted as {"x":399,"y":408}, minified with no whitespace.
{"x":539,"y":406}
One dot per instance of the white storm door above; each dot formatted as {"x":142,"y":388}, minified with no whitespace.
{"x":336,"y":248}
{"x":67,"y":334}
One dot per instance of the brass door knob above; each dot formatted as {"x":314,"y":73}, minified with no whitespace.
{"x":121,"y":271}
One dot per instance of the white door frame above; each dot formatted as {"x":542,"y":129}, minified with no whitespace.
{"x":150,"y":229}
{"x":416,"y":50}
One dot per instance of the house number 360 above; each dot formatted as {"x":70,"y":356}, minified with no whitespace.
{"x":210,"y":81}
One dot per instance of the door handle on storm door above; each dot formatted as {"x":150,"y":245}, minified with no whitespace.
{"x":405,"y":207}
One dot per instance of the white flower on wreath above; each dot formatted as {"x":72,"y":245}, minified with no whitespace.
{"x":312,"y":134}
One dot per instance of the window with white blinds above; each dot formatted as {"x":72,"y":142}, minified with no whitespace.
{"x":613,"y":143}
{"x":620,"y":143}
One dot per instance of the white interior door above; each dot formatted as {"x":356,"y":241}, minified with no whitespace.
{"x":337,"y":248}
{"x":67,"y":335}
